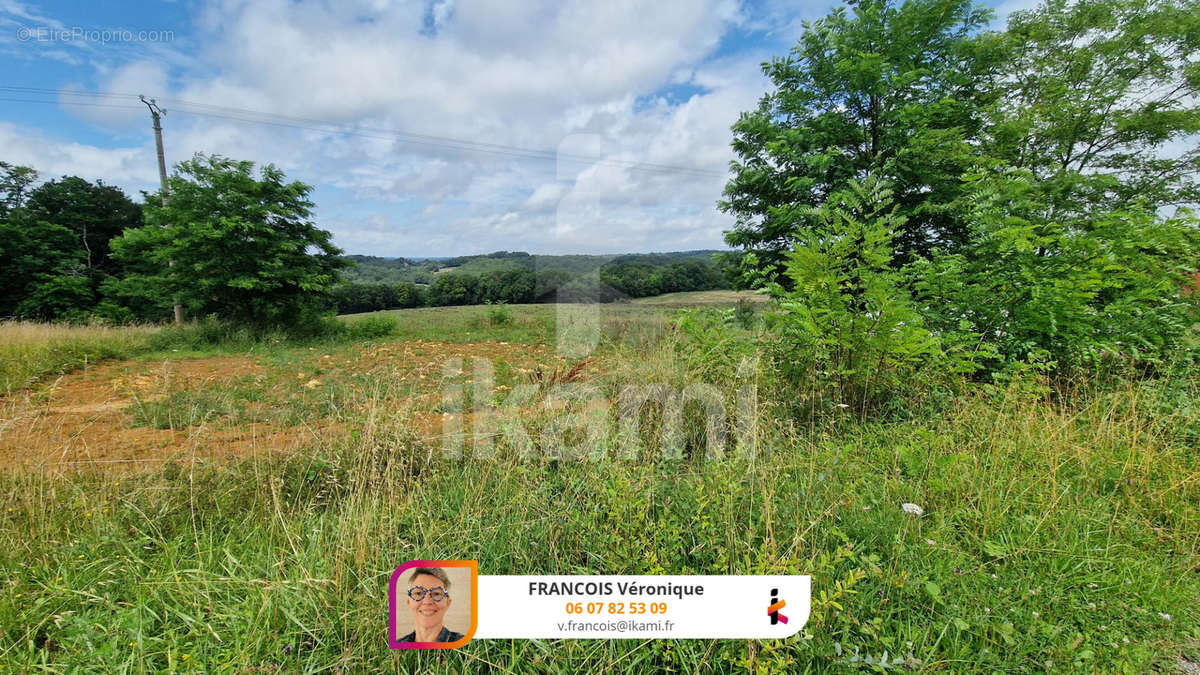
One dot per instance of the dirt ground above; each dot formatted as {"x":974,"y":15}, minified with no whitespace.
{"x":87,"y":419}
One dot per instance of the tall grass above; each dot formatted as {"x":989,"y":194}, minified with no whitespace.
{"x":1055,"y":537}
{"x":33,"y":351}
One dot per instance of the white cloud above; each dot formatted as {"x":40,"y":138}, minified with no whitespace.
{"x":132,"y":168}
{"x":527,"y":75}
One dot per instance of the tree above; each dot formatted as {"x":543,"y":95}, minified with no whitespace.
{"x":232,"y":245}
{"x":848,"y":330}
{"x":42,"y":272}
{"x":14,"y":185}
{"x":95,"y":212}
{"x":889,"y":90}
{"x":1100,"y":101}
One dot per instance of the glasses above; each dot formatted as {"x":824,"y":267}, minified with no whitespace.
{"x":418,"y":593}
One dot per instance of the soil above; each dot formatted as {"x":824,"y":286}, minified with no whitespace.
{"x":85,"y":420}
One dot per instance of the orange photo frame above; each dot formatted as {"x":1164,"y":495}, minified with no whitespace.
{"x":394,"y":604}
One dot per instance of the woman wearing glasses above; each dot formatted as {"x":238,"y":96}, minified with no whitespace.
{"x":428,"y":599}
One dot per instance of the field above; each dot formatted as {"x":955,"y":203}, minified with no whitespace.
{"x":168,"y":503}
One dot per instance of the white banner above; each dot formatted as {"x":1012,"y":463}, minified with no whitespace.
{"x":641,"y":607}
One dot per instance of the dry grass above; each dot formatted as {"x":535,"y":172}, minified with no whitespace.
{"x":30,"y":351}
{"x":33,"y":334}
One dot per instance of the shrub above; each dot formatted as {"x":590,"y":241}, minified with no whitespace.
{"x":498,"y":314}
{"x":1071,"y":291}
{"x":848,"y":334}
{"x":371,"y":327}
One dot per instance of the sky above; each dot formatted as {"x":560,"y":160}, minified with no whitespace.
{"x":426,"y":128}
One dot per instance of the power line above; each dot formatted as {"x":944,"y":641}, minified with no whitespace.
{"x":328,"y":127}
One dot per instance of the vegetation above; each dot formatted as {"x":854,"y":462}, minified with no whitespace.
{"x":965,"y":393}
{"x":229,"y":245}
{"x":519,"y":278}
{"x":1057,"y":534}
{"x":1030,"y":171}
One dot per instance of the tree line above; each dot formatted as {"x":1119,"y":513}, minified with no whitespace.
{"x":522,"y":286}
{"x":231,"y":242}
{"x":239,"y":244}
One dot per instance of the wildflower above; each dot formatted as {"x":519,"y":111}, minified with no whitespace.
{"x":1162,"y":615}
{"x":185,"y":657}
{"x":931,"y":542}
{"x":1036,"y":615}
{"x":1091,"y":605}
{"x":912,"y":509}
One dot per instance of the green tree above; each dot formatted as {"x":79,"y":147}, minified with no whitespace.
{"x":14,"y":186}
{"x":43,"y":266}
{"x":890,"y":90}
{"x":95,"y":212}
{"x":1100,"y":100}
{"x":232,"y":245}
{"x":42,"y":271}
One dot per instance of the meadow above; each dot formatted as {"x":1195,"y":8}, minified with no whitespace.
{"x":192,"y":500}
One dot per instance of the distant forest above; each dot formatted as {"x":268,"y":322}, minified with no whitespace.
{"x":373,"y":283}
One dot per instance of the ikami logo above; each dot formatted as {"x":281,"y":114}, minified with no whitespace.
{"x":775,"y":606}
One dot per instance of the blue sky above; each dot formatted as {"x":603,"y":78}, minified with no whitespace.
{"x":435,"y":127}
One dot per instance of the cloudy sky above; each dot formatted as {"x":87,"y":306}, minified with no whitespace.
{"x":427,"y":127}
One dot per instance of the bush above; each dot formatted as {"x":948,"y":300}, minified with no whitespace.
{"x":849,"y":337}
{"x":498,"y":314}
{"x":1071,"y":291}
{"x":371,"y":327}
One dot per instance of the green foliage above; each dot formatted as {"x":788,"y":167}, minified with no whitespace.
{"x":1099,"y":101}
{"x":849,"y":335}
{"x":1076,"y":293}
{"x":371,"y":327}
{"x":498,"y":314}
{"x":886,"y":88}
{"x":355,"y":298}
{"x":640,"y":280}
{"x":232,"y":245}
{"x":35,"y":258}
{"x":14,"y":186}
{"x":54,"y":243}
{"x":94,"y":212}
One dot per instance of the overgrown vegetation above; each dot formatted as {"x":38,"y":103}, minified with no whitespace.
{"x":982,"y":306}
{"x":1055,"y":535}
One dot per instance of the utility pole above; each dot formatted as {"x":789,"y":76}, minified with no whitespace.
{"x":156,"y":114}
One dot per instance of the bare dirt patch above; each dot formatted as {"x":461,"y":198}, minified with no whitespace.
{"x":87,"y":419}
{"x":81,"y":420}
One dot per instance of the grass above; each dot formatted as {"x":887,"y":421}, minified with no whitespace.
{"x":1057,"y":535}
{"x":30,"y":352}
